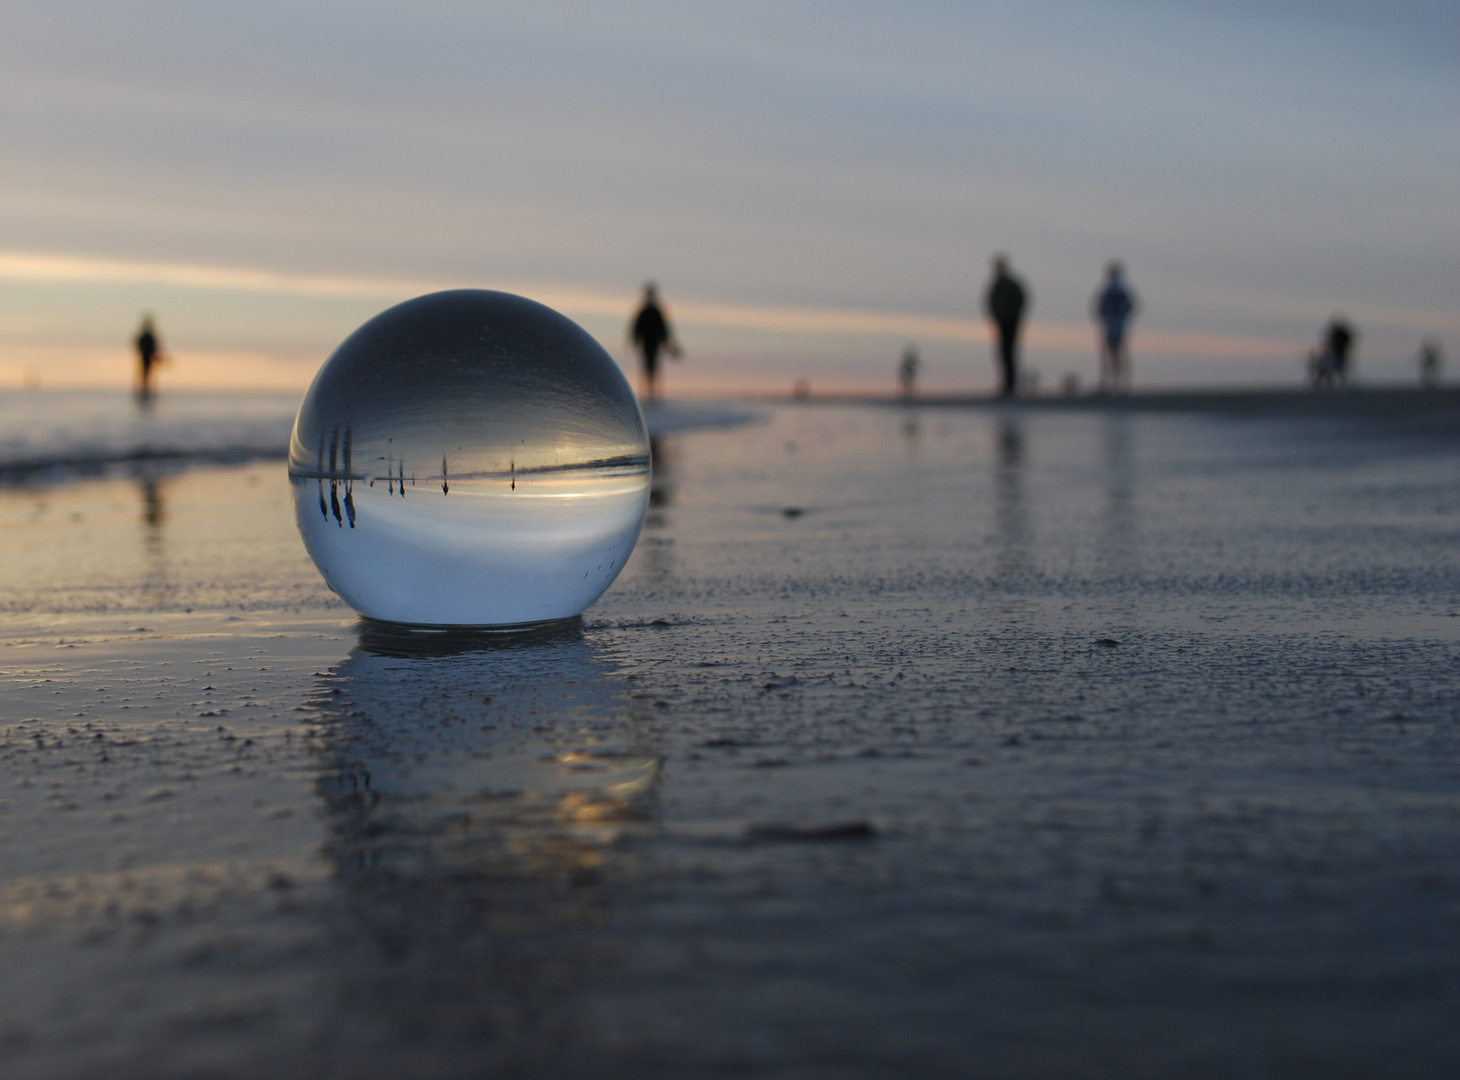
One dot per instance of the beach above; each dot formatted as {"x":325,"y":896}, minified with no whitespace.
{"x":1059,"y":738}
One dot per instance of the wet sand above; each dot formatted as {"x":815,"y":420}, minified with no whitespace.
{"x":915,"y":740}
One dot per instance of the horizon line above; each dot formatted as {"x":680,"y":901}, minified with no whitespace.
{"x":799,"y":320}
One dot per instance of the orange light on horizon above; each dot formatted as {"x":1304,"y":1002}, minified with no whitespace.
{"x":219,"y":366}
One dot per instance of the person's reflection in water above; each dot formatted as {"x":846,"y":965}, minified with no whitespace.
{"x":154,"y":508}
{"x":1010,"y":509}
{"x":153,"y":492}
{"x":482,"y":794}
{"x":657,"y":548}
{"x":912,"y":432}
{"x":661,"y":487}
{"x":1117,"y":549}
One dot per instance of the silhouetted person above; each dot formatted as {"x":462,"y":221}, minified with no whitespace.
{"x":651,"y":332}
{"x":349,"y":475}
{"x":1114,"y":306}
{"x":1004,"y":303}
{"x":1330,"y":362}
{"x":149,"y":355}
{"x":1430,"y":360}
{"x":1340,"y":340}
{"x":907,"y":371}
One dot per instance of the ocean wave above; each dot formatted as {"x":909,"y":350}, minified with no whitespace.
{"x":672,"y":417}
{"x":49,"y":436}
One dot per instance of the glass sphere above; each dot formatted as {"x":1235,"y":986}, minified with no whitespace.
{"x":469,"y":458}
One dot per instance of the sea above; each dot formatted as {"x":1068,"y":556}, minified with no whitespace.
{"x":51,"y":436}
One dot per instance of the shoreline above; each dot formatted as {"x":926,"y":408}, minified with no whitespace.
{"x":1426,"y":411}
{"x":1347,"y":402}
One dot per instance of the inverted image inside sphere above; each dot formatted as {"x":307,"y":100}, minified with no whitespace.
{"x":470,"y":458}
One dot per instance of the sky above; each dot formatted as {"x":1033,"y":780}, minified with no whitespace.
{"x":813,"y":185}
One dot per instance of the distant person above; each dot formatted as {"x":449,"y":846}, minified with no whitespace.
{"x":1430,"y":360}
{"x":1329,"y":364}
{"x":907,"y":372}
{"x":1113,"y":307}
{"x":1340,"y":338}
{"x":651,"y":332}
{"x":1004,"y":303}
{"x":149,"y":355}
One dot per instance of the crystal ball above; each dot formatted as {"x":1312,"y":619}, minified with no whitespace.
{"x":469,"y":458}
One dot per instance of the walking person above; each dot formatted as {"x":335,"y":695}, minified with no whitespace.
{"x":1430,"y":359}
{"x":1338,"y":342}
{"x":1328,"y":364}
{"x":651,"y":332}
{"x":907,"y":372}
{"x":1113,"y":307}
{"x":1004,"y":303}
{"x":149,"y":355}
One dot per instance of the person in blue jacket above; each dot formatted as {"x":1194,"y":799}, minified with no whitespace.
{"x":1113,"y":308}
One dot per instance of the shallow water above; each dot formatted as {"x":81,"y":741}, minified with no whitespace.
{"x":927,"y":741}
{"x":56,"y":435}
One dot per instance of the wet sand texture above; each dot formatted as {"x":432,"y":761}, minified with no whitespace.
{"x":1036,"y":743}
